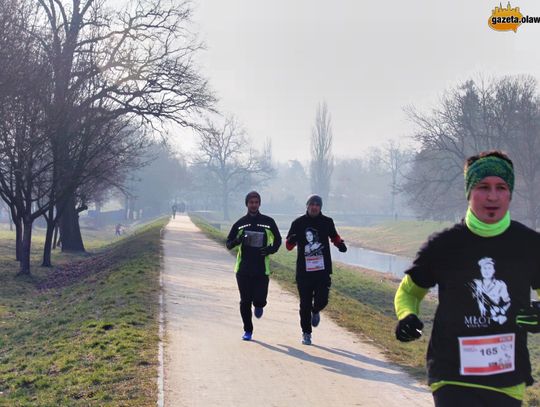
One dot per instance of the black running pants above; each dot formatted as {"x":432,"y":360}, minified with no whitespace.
{"x":253,"y":290}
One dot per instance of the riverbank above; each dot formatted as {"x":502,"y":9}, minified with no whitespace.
{"x":86,"y":332}
{"x":402,"y":238}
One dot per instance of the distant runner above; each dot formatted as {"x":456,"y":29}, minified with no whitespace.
{"x":485,"y":267}
{"x":313,"y":262}
{"x":258,"y":237}
{"x":174,"y":209}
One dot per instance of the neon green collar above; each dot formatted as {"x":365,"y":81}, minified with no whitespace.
{"x":480,"y":228}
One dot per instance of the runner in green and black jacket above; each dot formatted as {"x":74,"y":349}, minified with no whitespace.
{"x":258,"y":237}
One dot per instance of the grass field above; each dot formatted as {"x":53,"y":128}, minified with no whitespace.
{"x":402,"y":238}
{"x":84,"y":333}
{"x":362,"y":300}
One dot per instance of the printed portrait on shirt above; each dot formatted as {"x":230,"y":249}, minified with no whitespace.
{"x":490,"y":294}
{"x":313,"y":246}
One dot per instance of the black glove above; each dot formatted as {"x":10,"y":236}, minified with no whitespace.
{"x":341,"y":246}
{"x":239,"y":238}
{"x":236,"y":241}
{"x":292,"y":239}
{"x":409,"y":328}
{"x":529,"y":319}
{"x":265,"y":251}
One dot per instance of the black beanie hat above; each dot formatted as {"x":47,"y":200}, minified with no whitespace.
{"x":314,"y":199}
{"x":253,"y":194}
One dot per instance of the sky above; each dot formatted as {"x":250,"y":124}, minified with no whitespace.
{"x":271,"y":63}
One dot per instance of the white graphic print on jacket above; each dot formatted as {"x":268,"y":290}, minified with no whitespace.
{"x":490,"y":294}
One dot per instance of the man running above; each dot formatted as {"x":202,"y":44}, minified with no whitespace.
{"x":174,"y":209}
{"x":311,"y":233}
{"x":258,"y":237}
{"x":485,"y":267}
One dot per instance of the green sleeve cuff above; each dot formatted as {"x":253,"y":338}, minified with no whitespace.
{"x":408,"y":297}
{"x":538,"y":292}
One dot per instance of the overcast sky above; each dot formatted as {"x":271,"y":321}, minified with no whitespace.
{"x":271,"y":63}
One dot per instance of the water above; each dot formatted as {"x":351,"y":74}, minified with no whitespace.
{"x":373,"y":260}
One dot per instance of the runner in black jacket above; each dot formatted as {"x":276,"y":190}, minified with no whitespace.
{"x":258,"y":237}
{"x":311,"y":233}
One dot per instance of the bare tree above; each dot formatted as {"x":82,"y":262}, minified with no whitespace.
{"x":91,"y":72}
{"x":25,"y":157}
{"x":226,"y":152}
{"x":322,"y":159}
{"x":395,"y":159}
{"x":518,"y":118}
{"x":502,"y":113}
{"x":131,"y":63}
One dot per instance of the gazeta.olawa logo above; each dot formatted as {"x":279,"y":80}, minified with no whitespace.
{"x":509,"y":18}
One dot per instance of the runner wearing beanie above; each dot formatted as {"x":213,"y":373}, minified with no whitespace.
{"x":311,"y":232}
{"x":485,"y":267}
{"x":258,"y":237}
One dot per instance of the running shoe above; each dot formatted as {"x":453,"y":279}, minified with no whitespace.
{"x":306,"y":339}
{"x":258,"y":312}
{"x":315,"y":319}
{"x":247,"y":336}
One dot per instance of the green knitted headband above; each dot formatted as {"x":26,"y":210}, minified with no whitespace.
{"x":486,"y":167}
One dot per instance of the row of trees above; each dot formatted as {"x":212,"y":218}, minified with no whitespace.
{"x":81,"y":86}
{"x":227,"y":165}
{"x":477,"y":115}
{"x":368,"y":184}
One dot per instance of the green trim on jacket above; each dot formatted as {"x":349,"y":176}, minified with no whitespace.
{"x":239,"y":254}
{"x":269,"y":242}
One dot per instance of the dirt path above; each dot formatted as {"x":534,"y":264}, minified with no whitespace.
{"x":207,"y":364}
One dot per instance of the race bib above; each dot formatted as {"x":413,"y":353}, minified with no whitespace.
{"x":254,"y":239}
{"x":314,"y":263}
{"x":487,"y":355}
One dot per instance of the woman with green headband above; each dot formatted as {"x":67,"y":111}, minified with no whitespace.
{"x":485,"y":267}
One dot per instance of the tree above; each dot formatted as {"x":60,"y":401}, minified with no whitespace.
{"x":156,"y":184}
{"x":99,"y":71}
{"x":504,"y":114}
{"x":133,"y":63}
{"x":229,"y":156}
{"x":287,"y":191}
{"x":25,"y":157}
{"x":517,"y":107}
{"x":395,"y":160}
{"x":362,"y":184}
{"x":322,"y":160}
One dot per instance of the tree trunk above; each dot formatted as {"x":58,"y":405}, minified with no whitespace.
{"x":126,"y":207}
{"x":131,"y":207}
{"x":56,"y":239}
{"x":70,"y":229}
{"x":18,"y":239}
{"x":25,"y":248}
{"x":48,"y":243}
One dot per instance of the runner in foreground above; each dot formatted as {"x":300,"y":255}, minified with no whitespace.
{"x":485,"y":268}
